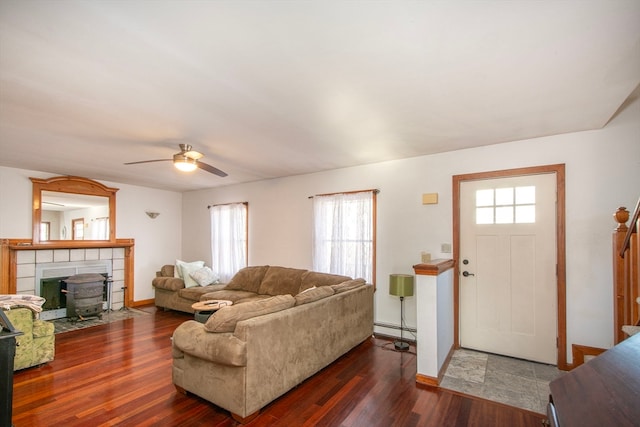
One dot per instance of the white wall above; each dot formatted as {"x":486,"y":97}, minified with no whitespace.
{"x":157,"y":241}
{"x":602,"y":173}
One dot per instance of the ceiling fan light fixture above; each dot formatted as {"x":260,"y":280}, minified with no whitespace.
{"x":184,"y":163}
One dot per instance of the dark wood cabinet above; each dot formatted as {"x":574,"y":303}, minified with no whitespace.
{"x":602,"y":392}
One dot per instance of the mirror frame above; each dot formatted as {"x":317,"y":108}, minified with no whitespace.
{"x":75,"y":185}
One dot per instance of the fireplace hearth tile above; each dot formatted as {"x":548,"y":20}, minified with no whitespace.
{"x":26,"y":270}
{"x":44,"y":256}
{"x":76,"y":255}
{"x":26,"y":285}
{"x":92,"y":254}
{"x":61,"y":255}
{"x":106,"y":253}
{"x":66,"y":325}
{"x":25,"y":257}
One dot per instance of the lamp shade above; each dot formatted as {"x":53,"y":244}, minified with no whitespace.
{"x":401,"y":285}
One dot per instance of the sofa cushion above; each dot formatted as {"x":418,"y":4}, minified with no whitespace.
{"x":254,"y":297}
{"x":186,"y":270}
{"x":168,"y":283}
{"x":281,"y":281}
{"x":225,"y":319}
{"x":248,"y":279}
{"x":348,"y":285}
{"x":195,"y":293}
{"x":225,"y":294}
{"x":180,"y":264}
{"x":314,"y":278}
{"x":204,"y":276}
{"x":314,"y":294}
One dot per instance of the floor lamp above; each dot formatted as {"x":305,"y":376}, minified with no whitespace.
{"x":401,"y":285}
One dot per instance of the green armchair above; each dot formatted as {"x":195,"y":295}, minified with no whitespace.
{"x":37,"y":344}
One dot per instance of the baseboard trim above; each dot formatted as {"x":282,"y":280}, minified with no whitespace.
{"x":427,"y":380}
{"x":435,"y":382}
{"x":142,"y":302}
{"x":580,"y":351}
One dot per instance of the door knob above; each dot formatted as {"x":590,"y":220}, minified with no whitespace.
{"x":467,"y":274}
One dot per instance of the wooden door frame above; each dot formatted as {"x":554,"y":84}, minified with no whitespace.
{"x":561,"y":288}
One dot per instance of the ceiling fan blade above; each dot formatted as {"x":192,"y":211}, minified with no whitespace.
{"x":210,"y":169}
{"x":148,"y":161}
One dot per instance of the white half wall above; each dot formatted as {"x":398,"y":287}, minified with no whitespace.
{"x":602,"y":173}
{"x":157,"y":241}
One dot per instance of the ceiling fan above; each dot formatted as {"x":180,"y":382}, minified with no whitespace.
{"x":187,"y":160}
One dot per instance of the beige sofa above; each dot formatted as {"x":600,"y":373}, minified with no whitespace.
{"x":248,"y":354}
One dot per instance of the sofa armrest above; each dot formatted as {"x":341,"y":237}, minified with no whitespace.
{"x":168,"y":283}
{"x":42,"y":328}
{"x":223,"y":348}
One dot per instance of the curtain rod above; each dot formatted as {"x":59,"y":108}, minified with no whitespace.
{"x":225,"y":204}
{"x":374,"y":191}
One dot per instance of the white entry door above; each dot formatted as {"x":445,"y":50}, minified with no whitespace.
{"x":508,"y":266}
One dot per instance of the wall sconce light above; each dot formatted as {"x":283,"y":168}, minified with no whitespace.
{"x":152,"y":215}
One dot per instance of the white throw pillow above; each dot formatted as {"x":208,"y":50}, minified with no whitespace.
{"x":177,"y":272}
{"x":205,"y":276}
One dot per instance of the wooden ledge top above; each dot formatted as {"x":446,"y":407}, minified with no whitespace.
{"x":26,"y":244}
{"x":434,"y":267}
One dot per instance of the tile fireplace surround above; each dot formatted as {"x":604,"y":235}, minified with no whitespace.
{"x":22,"y":265}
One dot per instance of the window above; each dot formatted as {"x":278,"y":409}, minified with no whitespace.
{"x":101,"y":229}
{"x":45,"y":227}
{"x":344,"y":234}
{"x":512,"y":205}
{"x":77,"y":229}
{"x":229,"y":230}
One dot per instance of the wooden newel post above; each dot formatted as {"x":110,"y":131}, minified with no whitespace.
{"x":621,"y":216}
{"x":620,"y":286}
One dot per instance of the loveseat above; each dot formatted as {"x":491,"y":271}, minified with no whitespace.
{"x":36,"y":345}
{"x":284,"y":326}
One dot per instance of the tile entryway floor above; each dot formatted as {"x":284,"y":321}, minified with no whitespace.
{"x":507,"y":380}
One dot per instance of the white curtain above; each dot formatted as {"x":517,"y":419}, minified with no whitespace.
{"x":228,"y":239}
{"x":101,"y":229}
{"x":343,"y":234}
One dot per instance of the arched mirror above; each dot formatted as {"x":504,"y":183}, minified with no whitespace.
{"x":70,"y":208}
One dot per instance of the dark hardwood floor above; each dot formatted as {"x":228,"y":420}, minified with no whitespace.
{"x":120,"y":374}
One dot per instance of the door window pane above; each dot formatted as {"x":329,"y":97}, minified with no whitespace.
{"x":525,"y":195}
{"x":484,"y":197}
{"x":506,"y":205}
{"x":504,"y":196}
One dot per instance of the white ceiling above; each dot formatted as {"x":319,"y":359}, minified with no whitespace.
{"x":277,"y":88}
